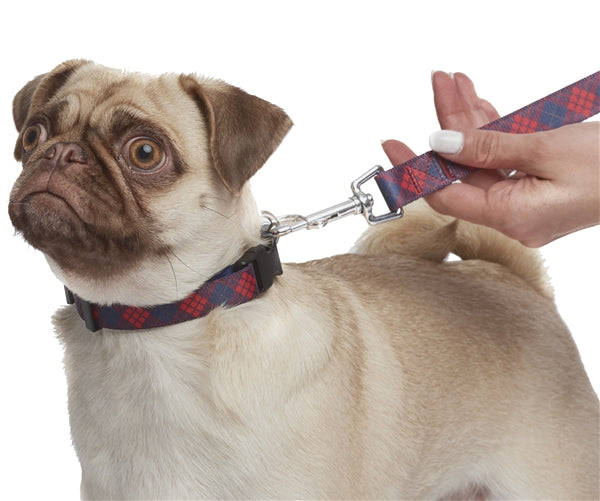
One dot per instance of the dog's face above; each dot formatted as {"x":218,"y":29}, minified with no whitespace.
{"x":123,"y":168}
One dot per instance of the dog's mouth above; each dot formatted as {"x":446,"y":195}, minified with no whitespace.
{"x":53,"y":205}
{"x":39,"y":204}
{"x":45,"y":217}
{"x":81,"y":224}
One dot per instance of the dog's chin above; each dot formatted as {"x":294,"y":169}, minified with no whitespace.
{"x":57,"y":227}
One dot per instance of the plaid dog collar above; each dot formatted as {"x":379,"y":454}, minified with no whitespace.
{"x":246,"y":279}
{"x":429,"y":172}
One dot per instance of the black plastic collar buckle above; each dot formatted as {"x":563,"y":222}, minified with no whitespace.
{"x":84,"y":307}
{"x":266,"y":264}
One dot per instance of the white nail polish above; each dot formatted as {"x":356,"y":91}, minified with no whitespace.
{"x":447,"y":141}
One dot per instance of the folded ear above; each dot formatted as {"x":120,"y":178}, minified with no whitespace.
{"x":243,"y":130}
{"x":41,"y":89}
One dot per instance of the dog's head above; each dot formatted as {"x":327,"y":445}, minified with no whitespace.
{"x":122,"y":170}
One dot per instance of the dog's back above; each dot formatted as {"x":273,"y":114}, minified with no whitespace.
{"x":432,"y":236}
{"x":492,"y":395}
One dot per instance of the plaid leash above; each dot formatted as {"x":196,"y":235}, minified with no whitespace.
{"x":429,"y":172}
{"x":235,"y":285}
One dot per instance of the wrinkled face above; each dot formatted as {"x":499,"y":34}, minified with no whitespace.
{"x":111,"y":161}
{"x":93,"y":160}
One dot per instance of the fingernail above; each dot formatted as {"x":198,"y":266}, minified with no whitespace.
{"x":447,"y":141}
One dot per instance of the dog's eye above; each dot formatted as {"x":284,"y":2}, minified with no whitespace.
{"x":33,"y":136}
{"x":145,"y":154}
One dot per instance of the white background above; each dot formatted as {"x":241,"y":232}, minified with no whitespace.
{"x":348,"y":73}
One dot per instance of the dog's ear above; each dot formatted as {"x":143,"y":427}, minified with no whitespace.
{"x":243,"y":129}
{"x":41,"y":89}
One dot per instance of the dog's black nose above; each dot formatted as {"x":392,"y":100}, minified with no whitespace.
{"x":63,"y":154}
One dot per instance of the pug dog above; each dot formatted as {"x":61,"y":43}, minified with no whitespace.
{"x":388,"y":372}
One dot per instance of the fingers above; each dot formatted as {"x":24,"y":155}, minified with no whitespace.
{"x":555,"y":189}
{"x":499,"y":207}
{"x":465,"y":201}
{"x":489,"y":149}
{"x":459,"y":107}
{"x":457,"y":104}
{"x":447,"y":103}
{"x":397,"y":152}
{"x":462,"y":201}
{"x":489,"y":110}
{"x":509,"y":207}
{"x":485,"y":179}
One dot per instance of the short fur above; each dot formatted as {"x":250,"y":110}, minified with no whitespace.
{"x":385,"y":373}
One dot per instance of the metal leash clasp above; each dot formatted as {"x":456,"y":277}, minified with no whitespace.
{"x":359,"y":203}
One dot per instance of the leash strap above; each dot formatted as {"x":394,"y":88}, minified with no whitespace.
{"x":429,"y":172}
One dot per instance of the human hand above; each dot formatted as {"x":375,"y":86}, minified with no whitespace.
{"x":532,"y":187}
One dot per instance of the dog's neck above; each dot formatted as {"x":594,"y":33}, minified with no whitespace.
{"x":245,"y":280}
{"x":172,"y":277}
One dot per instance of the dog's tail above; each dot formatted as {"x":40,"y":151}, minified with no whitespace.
{"x":426,"y":234}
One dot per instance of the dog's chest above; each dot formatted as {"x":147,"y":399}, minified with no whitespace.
{"x":173,"y":415}
{"x":144,"y":417}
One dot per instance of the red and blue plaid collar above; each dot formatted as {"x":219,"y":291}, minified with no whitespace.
{"x":235,"y":285}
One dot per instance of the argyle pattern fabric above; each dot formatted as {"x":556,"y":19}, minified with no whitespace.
{"x":228,"y":288}
{"x":429,"y":172}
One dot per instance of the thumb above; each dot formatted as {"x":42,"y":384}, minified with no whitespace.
{"x":484,"y":149}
